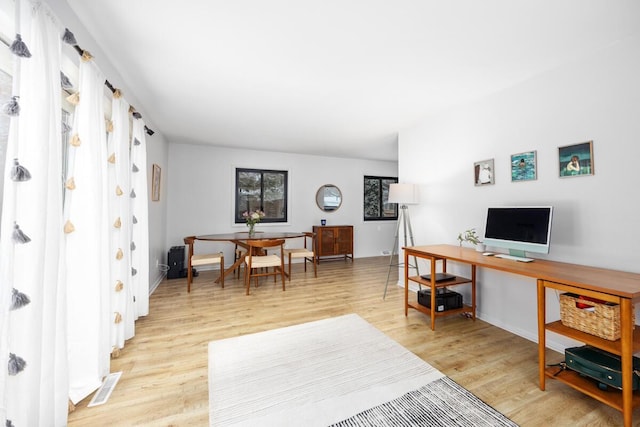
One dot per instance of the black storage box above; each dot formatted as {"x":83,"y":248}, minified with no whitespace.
{"x":604,"y":367}
{"x":175,"y":260}
{"x":445,"y":299}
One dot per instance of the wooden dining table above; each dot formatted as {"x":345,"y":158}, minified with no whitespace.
{"x":242,"y":239}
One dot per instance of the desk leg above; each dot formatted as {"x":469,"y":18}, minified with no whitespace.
{"x":473,"y":290}
{"x":542,"y":345}
{"x":432,"y":310}
{"x":626,"y":332}
{"x":406,"y":284}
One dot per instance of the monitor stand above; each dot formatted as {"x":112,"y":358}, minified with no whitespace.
{"x":517,"y":253}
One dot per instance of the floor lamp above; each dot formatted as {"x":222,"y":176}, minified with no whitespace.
{"x":403,"y":195}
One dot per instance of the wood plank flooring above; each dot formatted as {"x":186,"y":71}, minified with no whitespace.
{"x":164,"y":380}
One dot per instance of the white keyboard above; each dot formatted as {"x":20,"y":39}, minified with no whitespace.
{"x":513,"y":258}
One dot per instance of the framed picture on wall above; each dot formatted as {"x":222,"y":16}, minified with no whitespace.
{"x":483,"y":173}
{"x":576,"y":159}
{"x":155,"y":183}
{"x":523,"y":166}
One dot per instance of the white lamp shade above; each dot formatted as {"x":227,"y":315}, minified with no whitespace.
{"x":405,"y":194}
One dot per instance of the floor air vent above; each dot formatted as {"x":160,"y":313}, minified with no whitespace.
{"x":103,"y":393}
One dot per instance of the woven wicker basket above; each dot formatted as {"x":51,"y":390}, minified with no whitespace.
{"x":602,"y":321}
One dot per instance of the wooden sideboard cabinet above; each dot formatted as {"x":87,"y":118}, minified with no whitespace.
{"x":333,"y":241}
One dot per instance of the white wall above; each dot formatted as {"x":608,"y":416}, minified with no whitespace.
{"x":201,"y":185}
{"x":597,"y":98}
{"x":157,"y":153}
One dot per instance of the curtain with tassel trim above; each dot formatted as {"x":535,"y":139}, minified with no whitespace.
{"x":87,"y":238}
{"x":140,"y":222}
{"x":121,"y":289}
{"x":34,"y":383}
{"x":74,"y":262}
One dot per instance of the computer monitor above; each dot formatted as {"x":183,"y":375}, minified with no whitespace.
{"x":519,"y":228}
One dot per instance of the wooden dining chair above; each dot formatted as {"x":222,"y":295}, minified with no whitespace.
{"x":257,"y":265}
{"x":307,"y":253}
{"x":194,"y":260}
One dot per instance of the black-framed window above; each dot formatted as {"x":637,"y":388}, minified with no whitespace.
{"x":261,"y":189}
{"x":376,"y":196}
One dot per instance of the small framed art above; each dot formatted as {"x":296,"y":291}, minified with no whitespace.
{"x":576,"y":159}
{"x":155,"y":183}
{"x":483,"y":172}
{"x":523,"y":166}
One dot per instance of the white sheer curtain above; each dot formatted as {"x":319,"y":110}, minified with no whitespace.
{"x":34,"y":393}
{"x":88,"y":255}
{"x":140,"y":227}
{"x":121,"y":288}
{"x":74,"y":262}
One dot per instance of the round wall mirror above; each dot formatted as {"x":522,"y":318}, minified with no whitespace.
{"x":329,"y":198}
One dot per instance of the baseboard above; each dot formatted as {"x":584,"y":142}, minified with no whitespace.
{"x":553,"y":341}
{"x":157,"y":282}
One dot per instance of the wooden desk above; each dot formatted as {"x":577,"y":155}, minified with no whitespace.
{"x":610,"y":285}
{"x":241,"y":239}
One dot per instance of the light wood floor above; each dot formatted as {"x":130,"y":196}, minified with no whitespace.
{"x":164,"y":380}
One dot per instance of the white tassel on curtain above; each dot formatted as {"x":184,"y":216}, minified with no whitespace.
{"x":140,"y":228}
{"x":34,"y":390}
{"x":88,"y":256}
{"x":122,"y":305}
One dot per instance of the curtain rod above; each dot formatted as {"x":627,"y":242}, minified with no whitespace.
{"x":108,"y":84}
{"x":112,"y":89}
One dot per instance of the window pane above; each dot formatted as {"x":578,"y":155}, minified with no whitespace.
{"x":389,"y":210}
{"x":248,"y":193}
{"x":376,"y":195}
{"x":264,"y":190}
{"x":274,"y":190}
{"x":65,"y":137}
{"x":371,"y":198}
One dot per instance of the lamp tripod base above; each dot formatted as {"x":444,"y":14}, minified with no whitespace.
{"x":404,"y":220}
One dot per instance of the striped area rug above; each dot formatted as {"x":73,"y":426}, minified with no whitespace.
{"x":339,"y":371}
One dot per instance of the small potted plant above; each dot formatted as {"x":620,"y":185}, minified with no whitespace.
{"x":472,"y":237}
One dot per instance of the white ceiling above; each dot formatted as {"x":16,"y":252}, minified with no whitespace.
{"x":333,"y":77}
